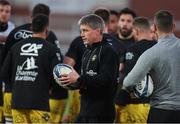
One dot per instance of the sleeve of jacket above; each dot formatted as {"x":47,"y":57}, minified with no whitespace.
{"x":144,"y":64}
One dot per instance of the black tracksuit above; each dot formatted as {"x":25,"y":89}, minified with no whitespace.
{"x":98,"y":83}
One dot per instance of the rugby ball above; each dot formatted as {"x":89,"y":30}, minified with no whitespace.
{"x":61,"y":69}
{"x":58,"y":71}
{"x":144,"y":88}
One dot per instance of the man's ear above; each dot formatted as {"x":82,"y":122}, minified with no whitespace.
{"x":46,"y":31}
{"x":136,"y":31}
{"x":174,"y":27}
{"x":153,"y":28}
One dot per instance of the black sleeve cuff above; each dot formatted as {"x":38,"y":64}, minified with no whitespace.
{"x":81,"y":81}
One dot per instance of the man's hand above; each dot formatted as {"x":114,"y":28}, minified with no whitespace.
{"x":70,"y":78}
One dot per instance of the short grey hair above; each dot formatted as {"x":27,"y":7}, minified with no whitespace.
{"x":164,"y":20}
{"x":93,"y":21}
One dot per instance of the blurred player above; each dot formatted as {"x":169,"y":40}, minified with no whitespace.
{"x":28,"y":67}
{"x":5,"y":24}
{"x":25,"y":31}
{"x":5,"y":27}
{"x":125,"y":35}
{"x":126,"y":18}
{"x":135,"y":110}
{"x":113,"y":22}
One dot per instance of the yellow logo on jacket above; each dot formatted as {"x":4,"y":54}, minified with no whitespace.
{"x":94,"y":58}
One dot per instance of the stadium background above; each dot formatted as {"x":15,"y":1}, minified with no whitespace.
{"x":66,"y":13}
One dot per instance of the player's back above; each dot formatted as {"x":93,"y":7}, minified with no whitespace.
{"x":33,"y":59}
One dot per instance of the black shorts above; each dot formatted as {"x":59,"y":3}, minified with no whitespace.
{"x":163,"y":116}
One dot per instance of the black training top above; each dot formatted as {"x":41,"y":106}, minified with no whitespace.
{"x":28,"y":67}
{"x":132,"y":55}
{"x":127,"y":42}
{"x":135,"y":51}
{"x":23,"y":32}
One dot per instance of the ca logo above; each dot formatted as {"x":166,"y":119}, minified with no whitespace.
{"x":30,"y":49}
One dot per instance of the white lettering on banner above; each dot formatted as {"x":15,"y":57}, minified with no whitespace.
{"x":23,"y":34}
{"x":25,"y":75}
{"x":20,"y":72}
{"x":25,"y":78}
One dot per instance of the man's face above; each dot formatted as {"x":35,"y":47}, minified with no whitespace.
{"x":5,"y":12}
{"x":88,"y":34}
{"x":125,"y":24}
{"x":113,"y":24}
